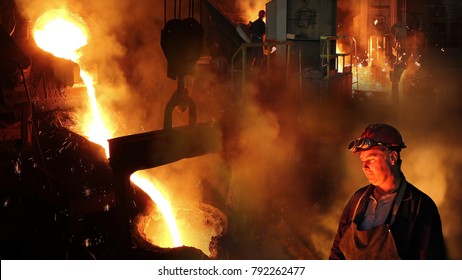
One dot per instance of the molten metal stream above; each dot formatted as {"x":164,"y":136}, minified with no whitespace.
{"x":63,"y":34}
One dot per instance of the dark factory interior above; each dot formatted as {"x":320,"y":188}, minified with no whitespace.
{"x":159,"y":137}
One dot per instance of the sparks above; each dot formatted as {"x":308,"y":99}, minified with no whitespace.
{"x":63,"y":34}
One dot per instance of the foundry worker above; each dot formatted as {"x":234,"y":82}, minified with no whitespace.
{"x":257,"y":31}
{"x":389,"y":218}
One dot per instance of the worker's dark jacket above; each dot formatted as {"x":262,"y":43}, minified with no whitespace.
{"x":417,"y":230}
{"x":257,"y":30}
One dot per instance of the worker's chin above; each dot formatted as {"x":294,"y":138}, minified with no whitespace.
{"x":372,"y":180}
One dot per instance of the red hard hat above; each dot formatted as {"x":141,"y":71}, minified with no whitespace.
{"x":261,"y":13}
{"x":382,"y":135}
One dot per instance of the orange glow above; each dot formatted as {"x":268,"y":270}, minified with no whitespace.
{"x":96,"y":130}
{"x":163,"y":204}
{"x":63,"y":34}
{"x":60,"y":33}
{"x":345,"y":53}
{"x":250,"y":9}
{"x":371,"y":78}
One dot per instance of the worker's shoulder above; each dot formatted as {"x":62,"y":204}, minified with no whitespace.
{"x":361,"y":190}
{"x":358,"y":193}
{"x":417,"y":194}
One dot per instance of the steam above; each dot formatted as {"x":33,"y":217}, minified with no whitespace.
{"x":432,"y":164}
{"x":285,"y":174}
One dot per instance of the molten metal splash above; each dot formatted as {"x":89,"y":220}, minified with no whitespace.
{"x":63,"y":34}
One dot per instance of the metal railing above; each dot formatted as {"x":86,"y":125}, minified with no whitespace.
{"x":243,"y":50}
{"x":330,"y":61}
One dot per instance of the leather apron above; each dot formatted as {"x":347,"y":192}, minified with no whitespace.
{"x":376,"y":243}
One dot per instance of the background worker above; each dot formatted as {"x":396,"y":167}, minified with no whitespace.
{"x":257,"y":32}
{"x":389,"y":218}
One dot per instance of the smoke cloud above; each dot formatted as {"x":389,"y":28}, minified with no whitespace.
{"x":285,"y":174}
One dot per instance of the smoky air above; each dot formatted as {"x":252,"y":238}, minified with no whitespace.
{"x":277,"y":189}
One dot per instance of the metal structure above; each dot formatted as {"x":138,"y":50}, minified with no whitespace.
{"x":311,"y":27}
{"x":330,"y":63}
{"x":244,"y":69}
{"x":152,"y":149}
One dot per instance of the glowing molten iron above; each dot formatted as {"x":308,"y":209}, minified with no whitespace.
{"x":63,"y":34}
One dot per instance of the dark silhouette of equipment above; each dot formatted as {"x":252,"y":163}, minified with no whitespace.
{"x":181,"y":42}
{"x":399,"y":58}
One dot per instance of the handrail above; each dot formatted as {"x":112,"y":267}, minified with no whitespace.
{"x":327,"y":57}
{"x":243,"y":49}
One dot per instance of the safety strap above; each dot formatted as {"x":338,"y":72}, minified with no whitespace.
{"x":368,"y":191}
{"x":402,"y":189}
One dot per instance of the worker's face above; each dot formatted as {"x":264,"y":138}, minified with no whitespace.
{"x":377,"y":165}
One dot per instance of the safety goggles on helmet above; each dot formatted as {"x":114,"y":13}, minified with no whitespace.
{"x":366,"y":143}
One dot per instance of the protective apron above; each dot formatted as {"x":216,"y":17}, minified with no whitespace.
{"x":376,"y":243}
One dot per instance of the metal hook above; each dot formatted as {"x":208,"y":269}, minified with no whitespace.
{"x":180,"y":98}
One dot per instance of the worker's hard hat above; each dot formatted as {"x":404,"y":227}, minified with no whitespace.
{"x":376,"y":136}
{"x":261,"y":13}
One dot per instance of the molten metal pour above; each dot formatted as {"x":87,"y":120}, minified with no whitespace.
{"x":141,"y":151}
{"x":148,"y":150}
